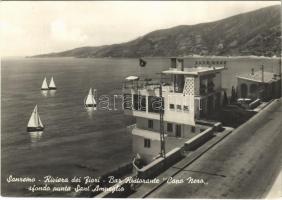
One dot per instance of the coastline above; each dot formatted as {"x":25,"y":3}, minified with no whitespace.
{"x":158,"y":57}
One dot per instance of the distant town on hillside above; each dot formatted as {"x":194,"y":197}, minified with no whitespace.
{"x":253,"y":33}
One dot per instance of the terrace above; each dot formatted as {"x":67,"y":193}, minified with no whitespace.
{"x":148,"y":85}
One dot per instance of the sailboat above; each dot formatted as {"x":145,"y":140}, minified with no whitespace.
{"x":44,"y":85}
{"x":52,"y":85}
{"x":34,"y":123}
{"x":90,"y":100}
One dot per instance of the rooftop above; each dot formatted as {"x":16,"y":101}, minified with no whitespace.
{"x":257,"y":77}
{"x":194,"y":70}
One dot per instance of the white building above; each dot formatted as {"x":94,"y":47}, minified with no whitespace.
{"x":188,"y":92}
{"x":259,"y":85}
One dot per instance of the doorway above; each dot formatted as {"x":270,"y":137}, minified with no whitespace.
{"x":178,"y":130}
{"x":244,"y":90}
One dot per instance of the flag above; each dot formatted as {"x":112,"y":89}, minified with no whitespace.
{"x":142,"y":62}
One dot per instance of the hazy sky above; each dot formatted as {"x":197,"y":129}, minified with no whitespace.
{"x":28,"y":28}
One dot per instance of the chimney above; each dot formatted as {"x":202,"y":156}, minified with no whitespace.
{"x":262,"y":73}
{"x":253,"y":71}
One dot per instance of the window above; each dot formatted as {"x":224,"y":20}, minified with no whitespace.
{"x":179,"y":107}
{"x":127,"y":101}
{"x":178,"y":130}
{"x":171,"y":106}
{"x":155,"y":104}
{"x":201,"y":104}
{"x":173,"y":63}
{"x":150,"y":123}
{"x":147,"y":143}
{"x":139,"y":102}
{"x":169,"y":127}
{"x":253,"y":88}
{"x":193,"y":129}
{"x":186,"y":108}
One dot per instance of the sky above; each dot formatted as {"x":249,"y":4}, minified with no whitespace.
{"x":29,"y":28}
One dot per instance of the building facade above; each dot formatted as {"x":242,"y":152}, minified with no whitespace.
{"x":259,"y":85}
{"x":188,"y":93}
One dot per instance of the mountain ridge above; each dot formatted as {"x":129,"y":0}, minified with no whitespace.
{"x":256,"y":32}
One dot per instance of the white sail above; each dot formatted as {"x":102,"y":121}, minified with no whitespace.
{"x":34,"y":120}
{"x":39,"y":120}
{"x":90,"y":100}
{"x":52,"y":83}
{"x":44,"y":84}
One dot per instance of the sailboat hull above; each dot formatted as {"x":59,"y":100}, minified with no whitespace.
{"x":44,"y":88}
{"x":31,"y":129}
{"x":52,"y":88}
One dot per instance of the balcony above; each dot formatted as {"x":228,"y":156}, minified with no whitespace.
{"x":141,"y":84}
{"x":203,"y":89}
{"x":207,"y":89}
{"x":210,"y":87}
{"x":147,"y":85}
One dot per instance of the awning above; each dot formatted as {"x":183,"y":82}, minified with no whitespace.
{"x":193,"y":70}
{"x":132,"y":78}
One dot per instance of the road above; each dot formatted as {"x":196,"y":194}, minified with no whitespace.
{"x":243,"y":165}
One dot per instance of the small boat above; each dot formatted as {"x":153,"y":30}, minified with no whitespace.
{"x":34,"y":123}
{"x":44,"y":85}
{"x":90,"y":99}
{"x":52,"y":85}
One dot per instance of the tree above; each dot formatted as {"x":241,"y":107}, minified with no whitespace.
{"x":225,"y":99}
{"x":233,"y":95}
{"x":236,"y":94}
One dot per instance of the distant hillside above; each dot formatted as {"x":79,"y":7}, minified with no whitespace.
{"x":253,"y":33}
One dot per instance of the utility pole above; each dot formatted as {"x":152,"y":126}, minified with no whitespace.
{"x":262,"y":73}
{"x":279,"y":71}
{"x":280,"y":67}
{"x":162,"y":134}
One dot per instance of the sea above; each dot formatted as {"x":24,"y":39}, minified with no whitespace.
{"x":76,"y":142}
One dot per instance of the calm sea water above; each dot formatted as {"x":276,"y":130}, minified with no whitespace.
{"x":73,"y":136}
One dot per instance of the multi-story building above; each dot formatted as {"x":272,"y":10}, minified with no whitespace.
{"x":188,"y":93}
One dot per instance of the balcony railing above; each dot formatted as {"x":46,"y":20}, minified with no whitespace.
{"x":147,"y":85}
{"x":140,"y":84}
